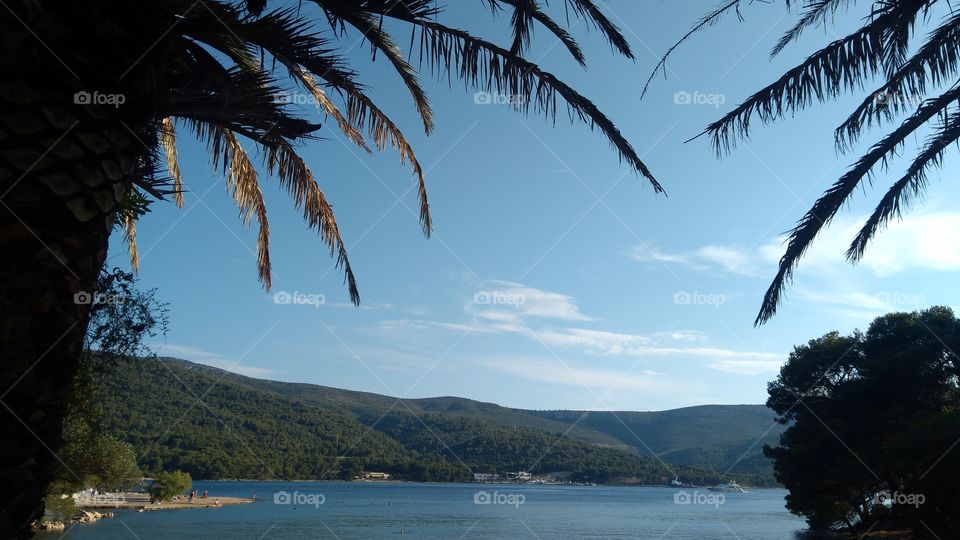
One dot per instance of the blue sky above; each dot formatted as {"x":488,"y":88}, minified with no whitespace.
{"x":555,"y":278}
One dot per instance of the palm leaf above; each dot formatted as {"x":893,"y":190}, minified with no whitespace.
{"x":168,"y":142}
{"x":823,"y":210}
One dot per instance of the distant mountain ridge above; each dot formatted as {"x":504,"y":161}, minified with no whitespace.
{"x":414,"y":437}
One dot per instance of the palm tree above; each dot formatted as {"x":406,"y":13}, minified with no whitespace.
{"x":93,"y":95}
{"x":911,"y":74}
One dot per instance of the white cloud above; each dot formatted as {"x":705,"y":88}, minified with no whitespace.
{"x":747,"y":367}
{"x":201,"y":356}
{"x":926,"y":241}
{"x":509,"y":301}
{"x":548,"y":318}
{"x":598,"y":380}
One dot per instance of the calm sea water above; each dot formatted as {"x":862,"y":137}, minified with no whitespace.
{"x":381,"y":510}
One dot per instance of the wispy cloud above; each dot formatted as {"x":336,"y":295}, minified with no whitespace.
{"x":747,"y":367}
{"x":213,"y":359}
{"x":597,"y":379}
{"x":510,"y":301}
{"x":554,"y":321}
{"x":925,"y":241}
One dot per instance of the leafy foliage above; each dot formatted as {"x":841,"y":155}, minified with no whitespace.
{"x":874,"y":413}
{"x":122,"y":316}
{"x":169,"y":484}
{"x":908,"y":50}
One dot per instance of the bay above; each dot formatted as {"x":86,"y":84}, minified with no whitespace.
{"x":353,"y":510}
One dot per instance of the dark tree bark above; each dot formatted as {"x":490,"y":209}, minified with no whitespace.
{"x":63,"y":169}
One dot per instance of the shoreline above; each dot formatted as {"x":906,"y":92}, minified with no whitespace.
{"x":141,"y":501}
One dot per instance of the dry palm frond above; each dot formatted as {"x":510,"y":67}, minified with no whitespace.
{"x":168,"y":141}
{"x":305,"y":56}
{"x":372,"y":30}
{"x":310,"y":83}
{"x":243,"y":186}
{"x":215,"y":66}
{"x":361,"y":111}
{"x":298,"y":180}
{"x":130,"y":235}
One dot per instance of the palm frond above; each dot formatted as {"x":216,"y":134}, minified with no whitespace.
{"x":487,"y":67}
{"x":711,"y":18}
{"x":815,"y":12}
{"x":911,"y":185}
{"x":368,"y":26}
{"x":168,"y":142}
{"x":243,"y":187}
{"x":362,"y":111}
{"x":298,"y":180}
{"x":588,"y":11}
{"x":130,"y":235}
{"x":843,"y":65}
{"x":216,"y":70}
{"x":937,"y":60}
{"x":527,"y":11}
{"x":348,"y":129}
{"x":826,"y":207}
{"x":306,"y":56}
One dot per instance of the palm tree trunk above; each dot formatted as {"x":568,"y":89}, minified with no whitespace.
{"x":61,"y":175}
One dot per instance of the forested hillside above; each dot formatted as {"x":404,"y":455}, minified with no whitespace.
{"x":215,"y":424}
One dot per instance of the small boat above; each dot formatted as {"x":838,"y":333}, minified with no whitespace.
{"x":676,"y":482}
{"x":730,"y":487}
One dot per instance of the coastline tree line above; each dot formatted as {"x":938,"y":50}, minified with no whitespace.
{"x":874,"y":423}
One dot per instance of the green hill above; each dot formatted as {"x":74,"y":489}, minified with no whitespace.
{"x":720,"y":437}
{"x":216,"y":424}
